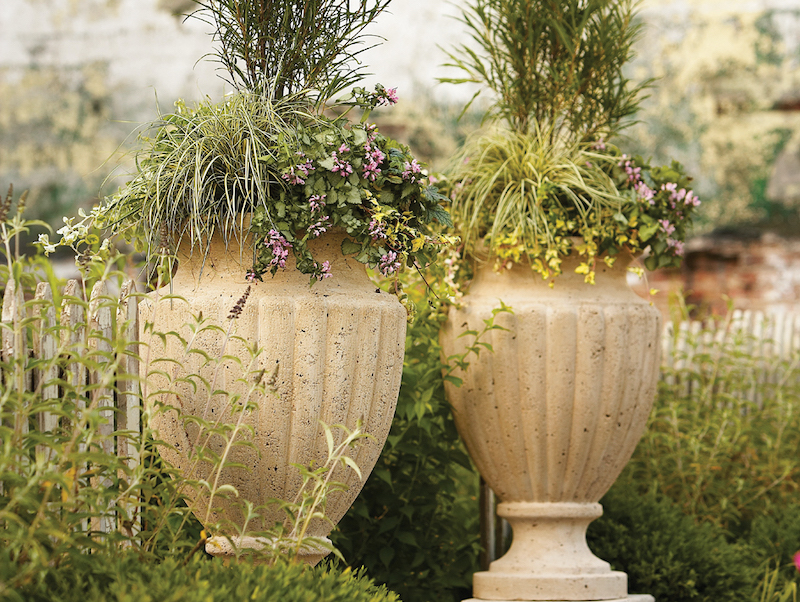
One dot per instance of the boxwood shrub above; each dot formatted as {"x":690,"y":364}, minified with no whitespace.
{"x":667,"y":554}
{"x":129,"y":578}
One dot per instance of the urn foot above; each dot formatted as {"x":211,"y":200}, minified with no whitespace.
{"x":633,"y":598}
{"x":549,"y":558}
{"x":226,"y":548}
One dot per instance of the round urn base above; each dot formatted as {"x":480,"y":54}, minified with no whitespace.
{"x":549,"y":558}
{"x":231,"y":548}
{"x":632,"y":598}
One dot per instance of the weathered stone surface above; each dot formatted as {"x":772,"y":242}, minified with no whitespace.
{"x":552,"y":416}
{"x":338,"y":347}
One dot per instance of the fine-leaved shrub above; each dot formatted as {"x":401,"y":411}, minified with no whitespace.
{"x":666,"y":554}
{"x":128,"y":578}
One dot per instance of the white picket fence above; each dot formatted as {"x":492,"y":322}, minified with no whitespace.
{"x":769,"y":344}
{"x":81,"y":328}
{"x":766,"y":347}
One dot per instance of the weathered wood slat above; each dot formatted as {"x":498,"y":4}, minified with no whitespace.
{"x":73,"y":341}
{"x":101,"y":331}
{"x":127,"y":381}
{"x":15,"y":348}
{"x":128,"y":400}
{"x":45,"y":349}
{"x":73,"y":338}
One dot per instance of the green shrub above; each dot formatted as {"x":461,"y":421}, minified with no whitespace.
{"x":127,"y":578}
{"x":666,"y":554}
{"x":721,"y":457}
{"x":775,"y":539}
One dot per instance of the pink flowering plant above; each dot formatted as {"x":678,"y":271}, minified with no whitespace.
{"x":338,"y":174}
{"x":661,"y":205}
{"x":270,"y":162}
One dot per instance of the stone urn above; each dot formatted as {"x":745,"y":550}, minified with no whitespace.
{"x":552,"y":415}
{"x":336,"y":352}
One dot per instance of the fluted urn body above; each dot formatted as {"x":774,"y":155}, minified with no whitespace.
{"x":338,"y":350}
{"x":551,"y":416}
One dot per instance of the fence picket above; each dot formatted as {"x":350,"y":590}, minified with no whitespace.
{"x":45,"y":350}
{"x":15,"y":346}
{"x":101,"y":330}
{"x":127,"y":382}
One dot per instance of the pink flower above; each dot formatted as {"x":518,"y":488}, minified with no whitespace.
{"x":376,"y":230}
{"x":251,"y":276}
{"x":317,"y":202}
{"x":645,"y":193}
{"x":320,"y":227}
{"x":343,"y":168}
{"x":797,"y":561}
{"x":279,"y":247}
{"x":344,"y":148}
{"x":666,"y":226}
{"x":324,"y":270}
{"x":677,"y":245}
{"x":302,"y":172}
{"x":411,"y":168}
{"x":387,"y":97}
{"x":372,"y":159}
{"x":292,"y":177}
{"x":389,"y":263}
{"x":691,"y":199}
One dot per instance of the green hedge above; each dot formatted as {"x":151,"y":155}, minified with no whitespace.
{"x":666,"y":554}
{"x":130,"y":579}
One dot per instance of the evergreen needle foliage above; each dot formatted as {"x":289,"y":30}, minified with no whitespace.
{"x":555,"y":63}
{"x":291,"y":46}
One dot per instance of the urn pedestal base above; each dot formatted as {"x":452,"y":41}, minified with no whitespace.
{"x":549,"y":558}
{"x":225,"y":548}
{"x":634,"y":598}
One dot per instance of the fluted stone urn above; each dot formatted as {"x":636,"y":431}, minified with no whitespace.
{"x":338,"y":349}
{"x":552,"y":415}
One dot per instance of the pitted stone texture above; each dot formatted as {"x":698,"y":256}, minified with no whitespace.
{"x":549,"y":558}
{"x":552,"y":415}
{"x":338,"y":347}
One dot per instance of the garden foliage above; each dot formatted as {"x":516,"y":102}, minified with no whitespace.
{"x":128,"y":579}
{"x":71,"y":509}
{"x":721,"y":446}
